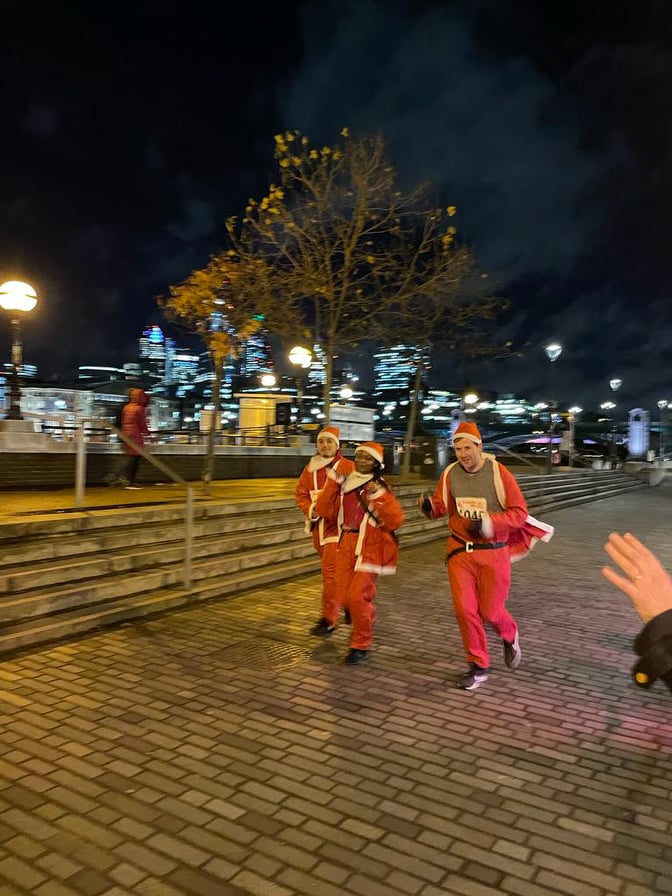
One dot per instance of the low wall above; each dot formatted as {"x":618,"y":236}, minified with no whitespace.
{"x":56,"y":468}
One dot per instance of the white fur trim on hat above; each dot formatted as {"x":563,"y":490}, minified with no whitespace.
{"x":331,"y":432}
{"x":374,"y":449}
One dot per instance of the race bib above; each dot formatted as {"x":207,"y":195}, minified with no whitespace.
{"x":472,"y":508}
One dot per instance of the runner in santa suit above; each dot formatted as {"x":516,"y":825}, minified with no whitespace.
{"x":324,"y":533}
{"x":489,"y":528}
{"x":367,"y":514}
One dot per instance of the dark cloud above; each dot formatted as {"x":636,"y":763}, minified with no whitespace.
{"x":130,"y":136}
{"x":493,"y":135}
{"x":543,"y":141}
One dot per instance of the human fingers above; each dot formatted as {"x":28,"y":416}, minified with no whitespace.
{"x":623,"y":555}
{"x":640,"y":553}
{"x":625,"y":585}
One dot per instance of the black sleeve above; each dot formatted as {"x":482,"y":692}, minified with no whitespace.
{"x":654,"y":647}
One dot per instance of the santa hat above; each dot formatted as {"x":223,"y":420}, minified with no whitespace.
{"x":331,"y":432}
{"x":469,"y":431}
{"x":374,"y":449}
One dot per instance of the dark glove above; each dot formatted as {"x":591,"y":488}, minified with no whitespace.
{"x":474,"y":528}
{"x":425,"y":505}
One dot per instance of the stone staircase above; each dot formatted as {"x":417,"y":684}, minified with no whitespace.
{"x":69,"y":574}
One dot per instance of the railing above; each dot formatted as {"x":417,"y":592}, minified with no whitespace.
{"x":80,"y":485}
{"x":101,"y":431}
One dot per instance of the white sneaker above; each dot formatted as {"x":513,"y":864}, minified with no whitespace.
{"x":473,"y":678}
{"x":512,"y":653}
{"x":134,"y":488}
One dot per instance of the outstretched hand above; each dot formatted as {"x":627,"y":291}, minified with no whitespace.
{"x":645,"y":581}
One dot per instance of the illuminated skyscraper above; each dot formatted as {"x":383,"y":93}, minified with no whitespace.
{"x":394,"y":367}
{"x":152,"y":352}
{"x":256,"y":356}
{"x":317,"y":374}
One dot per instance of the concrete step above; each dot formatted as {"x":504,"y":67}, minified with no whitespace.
{"x":72,"y":623}
{"x":75,"y":573}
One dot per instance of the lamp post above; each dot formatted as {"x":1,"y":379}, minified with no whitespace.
{"x":573,"y":414}
{"x":17,"y":298}
{"x":614,"y":384}
{"x":662,"y":404}
{"x":553,"y":351}
{"x":301,"y":357}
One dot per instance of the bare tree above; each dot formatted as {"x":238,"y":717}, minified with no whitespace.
{"x":223,"y":303}
{"x":453,"y":315}
{"x":343,"y":240}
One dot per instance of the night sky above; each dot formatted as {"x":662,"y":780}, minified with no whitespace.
{"x":131,"y":131}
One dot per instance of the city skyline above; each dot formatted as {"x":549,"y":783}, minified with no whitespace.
{"x":542,"y":126}
{"x":160,"y":360}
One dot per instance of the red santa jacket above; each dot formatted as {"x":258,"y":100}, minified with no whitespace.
{"x":310,"y":484}
{"x":513,"y":524}
{"x":377,"y":547}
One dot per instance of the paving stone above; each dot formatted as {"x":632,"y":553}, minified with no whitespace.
{"x":140,"y":761}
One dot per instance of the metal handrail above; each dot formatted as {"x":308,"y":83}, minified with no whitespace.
{"x":80,"y":480}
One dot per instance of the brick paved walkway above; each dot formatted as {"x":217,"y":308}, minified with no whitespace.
{"x":221,"y":751}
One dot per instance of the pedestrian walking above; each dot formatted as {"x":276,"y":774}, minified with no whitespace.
{"x":367,"y":514}
{"x":649,"y":587}
{"x":489,"y":527}
{"x":323,"y":532}
{"x":134,"y":425}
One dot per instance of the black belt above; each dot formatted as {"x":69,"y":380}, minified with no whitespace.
{"x":469,"y":546}
{"x":345,"y":530}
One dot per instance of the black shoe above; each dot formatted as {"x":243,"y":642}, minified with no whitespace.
{"x":512,"y":653}
{"x":347,"y":618}
{"x":473,"y":678}
{"x":355,"y":657}
{"x":323,"y":628}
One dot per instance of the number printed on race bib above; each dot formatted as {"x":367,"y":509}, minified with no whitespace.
{"x":472,"y":508}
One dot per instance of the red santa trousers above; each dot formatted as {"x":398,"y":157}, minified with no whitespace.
{"x":479,"y":584}
{"x":330,"y":602}
{"x":356,"y":591}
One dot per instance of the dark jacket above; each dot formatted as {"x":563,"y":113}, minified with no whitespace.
{"x":654,"y":647}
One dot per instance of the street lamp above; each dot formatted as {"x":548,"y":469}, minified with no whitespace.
{"x":470,"y":400}
{"x":301,"y":357}
{"x":553,"y":351}
{"x":662,"y":404}
{"x":614,"y":384}
{"x":573,"y":412}
{"x":17,"y":298}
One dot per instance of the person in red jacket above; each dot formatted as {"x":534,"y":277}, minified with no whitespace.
{"x":324,"y":532}
{"x":134,"y":425}
{"x":489,"y":527}
{"x":367,"y":515}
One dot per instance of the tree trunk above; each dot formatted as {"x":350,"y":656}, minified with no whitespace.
{"x":412,"y":418}
{"x":209,"y":460}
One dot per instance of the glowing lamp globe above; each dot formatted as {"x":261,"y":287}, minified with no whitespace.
{"x":17,"y":296}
